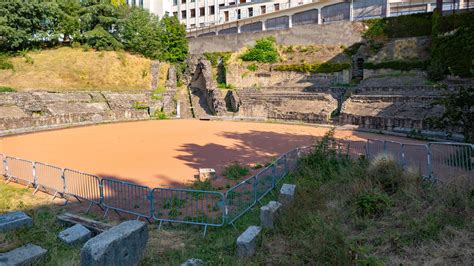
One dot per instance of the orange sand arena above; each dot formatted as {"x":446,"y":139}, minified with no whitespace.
{"x":163,"y":153}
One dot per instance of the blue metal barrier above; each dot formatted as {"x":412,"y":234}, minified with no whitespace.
{"x":240,"y":199}
{"x":83,"y":186}
{"x":126,"y":197}
{"x":375,"y":147}
{"x":188,"y":206}
{"x":49,"y":179}
{"x":416,"y":156}
{"x":451,"y":159}
{"x":265,"y":181}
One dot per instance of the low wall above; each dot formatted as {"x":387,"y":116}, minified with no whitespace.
{"x":339,"y":33}
{"x":31,"y":111}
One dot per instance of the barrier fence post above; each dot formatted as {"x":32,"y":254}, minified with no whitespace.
{"x":286,"y":164}
{"x":403,"y":159}
{"x":367,"y":151}
{"x":385,"y":147}
{"x":35,"y":178}
{"x":430,"y":163}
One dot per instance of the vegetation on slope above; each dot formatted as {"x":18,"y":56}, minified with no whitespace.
{"x":77,"y":69}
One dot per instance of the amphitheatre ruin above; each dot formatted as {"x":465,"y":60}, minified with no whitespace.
{"x":119,"y":158}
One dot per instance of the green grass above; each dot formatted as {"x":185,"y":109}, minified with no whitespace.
{"x":235,"y":171}
{"x":7,"y":89}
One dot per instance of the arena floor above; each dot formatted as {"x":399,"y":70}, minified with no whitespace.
{"x":164,"y":153}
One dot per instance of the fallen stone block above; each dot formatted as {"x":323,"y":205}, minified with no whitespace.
{"x":247,"y":242}
{"x":287,"y":194}
{"x":193,"y":262}
{"x":269,"y":213}
{"x":206,"y":174}
{"x":25,"y":255}
{"x":14,"y":220}
{"x":77,"y":234}
{"x":123,"y":244}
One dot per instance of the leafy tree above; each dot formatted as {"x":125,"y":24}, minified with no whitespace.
{"x":459,"y":113}
{"x":173,"y":41}
{"x":139,"y":33}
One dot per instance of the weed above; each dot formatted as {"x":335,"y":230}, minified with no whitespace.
{"x":140,"y":106}
{"x":235,"y":171}
{"x":7,"y":89}
{"x":174,"y":202}
{"x":252,"y":67}
{"x":5,"y":62}
{"x":372,"y":204}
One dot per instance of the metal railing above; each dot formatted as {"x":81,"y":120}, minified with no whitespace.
{"x":435,"y":161}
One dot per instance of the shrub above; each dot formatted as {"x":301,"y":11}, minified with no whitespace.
{"x":399,"y":27}
{"x":7,"y":89}
{"x":386,"y":171}
{"x":216,"y":56}
{"x":372,"y":204}
{"x":160,"y":115}
{"x":101,"y":39}
{"x":264,"y":51}
{"x":140,"y":106}
{"x":314,"y":68}
{"x":235,"y":171}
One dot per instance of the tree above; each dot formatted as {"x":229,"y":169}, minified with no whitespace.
{"x":173,"y":41}
{"x":459,"y":113}
{"x":139,"y":33}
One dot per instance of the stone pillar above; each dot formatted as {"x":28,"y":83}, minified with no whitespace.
{"x":290,"y":21}
{"x":351,"y":10}
{"x":247,"y":242}
{"x":387,"y":8}
{"x":264,"y":28}
{"x":319,"y":16}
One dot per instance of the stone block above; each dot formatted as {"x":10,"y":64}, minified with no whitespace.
{"x":287,"y":194}
{"x":25,"y":255}
{"x":192,"y":262}
{"x":206,"y":174}
{"x":14,"y":220}
{"x":77,"y":234}
{"x":123,"y":244}
{"x":247,"y":242}
{"x":269,"y":213}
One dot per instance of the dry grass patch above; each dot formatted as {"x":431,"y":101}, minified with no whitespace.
{"x":75,"y":69}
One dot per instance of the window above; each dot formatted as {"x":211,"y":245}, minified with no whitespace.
{"x":141,"y":3}
{"x":201,"y":24}
{"x":175,"y":2}
{"x":183,"y":14}
{"x":250,"y":11}
{"x":226,"y":16}
{"x":263,"y":9}
{"x":239,"y":14}
{"x":243,"y":1}
{"x":202,"y":10}
{"x":183,"y":1}
{"x":221,"y":5}
{"x":277,"y":7}
{"x":193,"y":25}
{"x":212,"y":10}
{"x":231,"y":3}
{"x":175,"y":14}
{"x":193,"y":13}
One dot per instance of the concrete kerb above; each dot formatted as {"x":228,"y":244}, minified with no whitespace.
{"x":269,"y":213}
{"x":247,"y":242}
{"x":287,"y":194}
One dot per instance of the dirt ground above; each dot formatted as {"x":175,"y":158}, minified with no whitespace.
{"x":164,"y":153}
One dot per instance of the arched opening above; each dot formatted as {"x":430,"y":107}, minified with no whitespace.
{"x":358,"y":71}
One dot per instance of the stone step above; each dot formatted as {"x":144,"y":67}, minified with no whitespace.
{"x":14,"y":220}
{"x":25,"y":255}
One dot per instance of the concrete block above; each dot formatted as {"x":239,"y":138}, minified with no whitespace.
{"x":14,"y":220}
{"x":247,"y":242}
{"x":206,"y":174}
{"x":77,"y":234}
{"x":269,"y":213}
{"x":287,"y":194}
{"x":123,"y":244}
{"x":192,"y":262}
{"x":25,"y":255}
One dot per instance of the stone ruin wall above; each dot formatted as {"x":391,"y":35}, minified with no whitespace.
{"x":32,"y":111}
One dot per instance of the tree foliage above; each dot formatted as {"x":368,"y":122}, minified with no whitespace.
{"x":459,"y":112}
{"x":102,"y":24}
{"x":264,"y":51}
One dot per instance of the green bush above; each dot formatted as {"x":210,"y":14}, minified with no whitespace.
{"x":398,"y":65}
{"x":215,"y":56}
{"x":7,"y":89}
{"x":235,"y":171}
{"x":372,"y":204}
{"x":101,"y":39}
{"x":140,"y":106}
{"x":160,"y":115}
{"x":264,"y":51}
{"x":314,"y":68}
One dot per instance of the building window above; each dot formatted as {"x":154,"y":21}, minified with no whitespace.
{"x":201,"y":25}
{"x":141,"y":3}
{"x":263,"y":9}
{"x":239,"y":14}
{"x":226,"y":16}
{"x":212,"y":10}
{"x":183,"y":14}
{"x":183,"y":1}
{"x":193,"y":25}
{"x":192,"y":1}
{"x":221,"y":5}
{"x":250,"y":11}
{"x":202,"y":10}
{"x":193,"y":13}
{"x":243,"y":1}
{"x":277,"y":7}
{"x":231,"y":3}
{"x":175,"y":14}
{"x":175,"y":2}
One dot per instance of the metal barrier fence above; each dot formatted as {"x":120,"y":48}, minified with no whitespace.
{"x":436,"y":161}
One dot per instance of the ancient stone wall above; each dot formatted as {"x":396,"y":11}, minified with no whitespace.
{"x":31,"y":111}
{"x":339,"y":33}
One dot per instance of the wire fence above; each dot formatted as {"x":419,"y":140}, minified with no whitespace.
{"x":439,"y":162}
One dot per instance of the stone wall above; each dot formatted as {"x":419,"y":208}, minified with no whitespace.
{"x":403,"y":49}
{"x":339,"y":33}
{"x":31,"y":111}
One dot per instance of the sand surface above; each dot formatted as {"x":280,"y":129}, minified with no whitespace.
{"x":164,"y":153}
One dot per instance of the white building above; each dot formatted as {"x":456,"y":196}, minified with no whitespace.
{"x":205,"y":13}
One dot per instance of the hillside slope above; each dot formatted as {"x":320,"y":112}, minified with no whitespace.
{"x":68,"y":68}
